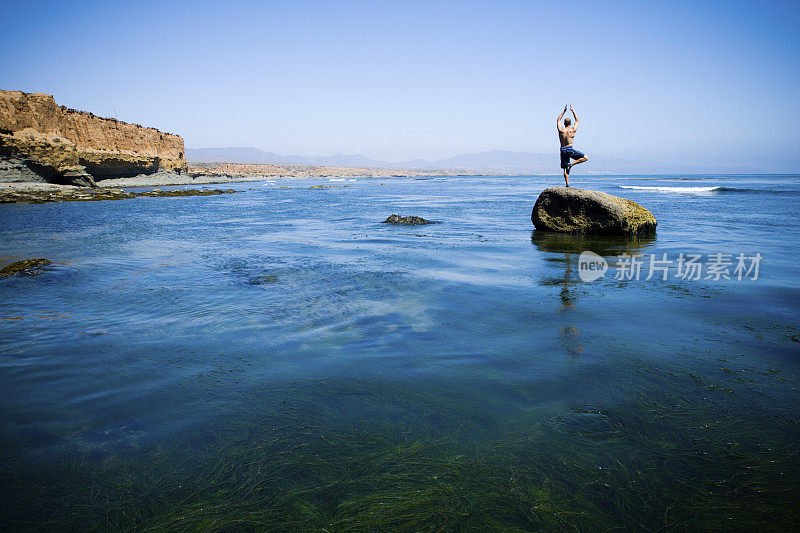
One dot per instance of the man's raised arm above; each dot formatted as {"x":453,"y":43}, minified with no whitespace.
{"x":558,"y":120}
{"x":574,"y":115}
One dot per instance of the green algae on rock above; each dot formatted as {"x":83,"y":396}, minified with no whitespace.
{"x":28,"y":266}
{"x":76,"y":194}
{"x":569,"y":210}
{"x":409,"y":220}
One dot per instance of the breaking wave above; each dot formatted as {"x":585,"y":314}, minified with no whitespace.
{"x":703,"y":190}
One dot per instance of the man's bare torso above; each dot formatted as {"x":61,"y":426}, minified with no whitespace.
{"x":566,"y":135}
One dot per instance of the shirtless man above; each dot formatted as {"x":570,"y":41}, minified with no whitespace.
{"x":566,"y":133}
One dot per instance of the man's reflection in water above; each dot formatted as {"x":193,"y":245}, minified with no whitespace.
{"x":569,"y":334}
{"x":571,"y":246}
{"x":567,"y":301}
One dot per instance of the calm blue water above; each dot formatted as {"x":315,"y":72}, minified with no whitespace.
{"x":280,"y":358}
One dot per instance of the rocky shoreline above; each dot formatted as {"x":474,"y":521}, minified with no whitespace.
{"x":243,"y":171}
{"x":39,"y":193}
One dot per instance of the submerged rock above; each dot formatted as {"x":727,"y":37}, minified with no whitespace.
{"x":264,"y":279}
{"x":27,"y":266}
{"x":590,"y":425}
{"x":568,"y":210}
{"x":409,"y":221}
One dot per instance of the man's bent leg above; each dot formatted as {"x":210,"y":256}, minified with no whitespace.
{"x":582,"y":159}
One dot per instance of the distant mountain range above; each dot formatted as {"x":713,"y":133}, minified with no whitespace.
{"x":495,"y":161}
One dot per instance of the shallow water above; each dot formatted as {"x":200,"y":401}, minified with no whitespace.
{"x":280,"y":358}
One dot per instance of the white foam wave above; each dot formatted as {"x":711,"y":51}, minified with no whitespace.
{"x":336,"y":179}
{"x":685,"y":190}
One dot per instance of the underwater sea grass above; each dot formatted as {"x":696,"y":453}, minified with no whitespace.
{"x":361,"y":455}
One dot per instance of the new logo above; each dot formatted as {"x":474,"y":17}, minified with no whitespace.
{"x":591,"y":266}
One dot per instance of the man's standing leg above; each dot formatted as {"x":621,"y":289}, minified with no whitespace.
{"x":566,"y":176}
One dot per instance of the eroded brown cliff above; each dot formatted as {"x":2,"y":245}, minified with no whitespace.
{"x":42,"y":141}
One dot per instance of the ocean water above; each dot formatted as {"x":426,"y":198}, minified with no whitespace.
{"x":280,"y":359}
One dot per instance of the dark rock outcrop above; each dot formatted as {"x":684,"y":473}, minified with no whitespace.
{"x":27,"y":266}
{"x":42,"y":141}
{"x":409,"y":221}
{"x":569,"y":210}
{"x":74,"y":194}
{"x":78,"y":177}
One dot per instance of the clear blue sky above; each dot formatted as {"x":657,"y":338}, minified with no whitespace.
{"x":712,"y":82}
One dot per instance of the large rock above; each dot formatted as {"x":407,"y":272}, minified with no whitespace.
{"x":42,"y":141}
{"x":569,"y":210}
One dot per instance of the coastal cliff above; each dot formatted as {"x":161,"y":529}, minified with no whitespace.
{"x":42,"y":141}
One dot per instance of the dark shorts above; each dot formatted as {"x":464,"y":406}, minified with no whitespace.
{"x":568,"y":152}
